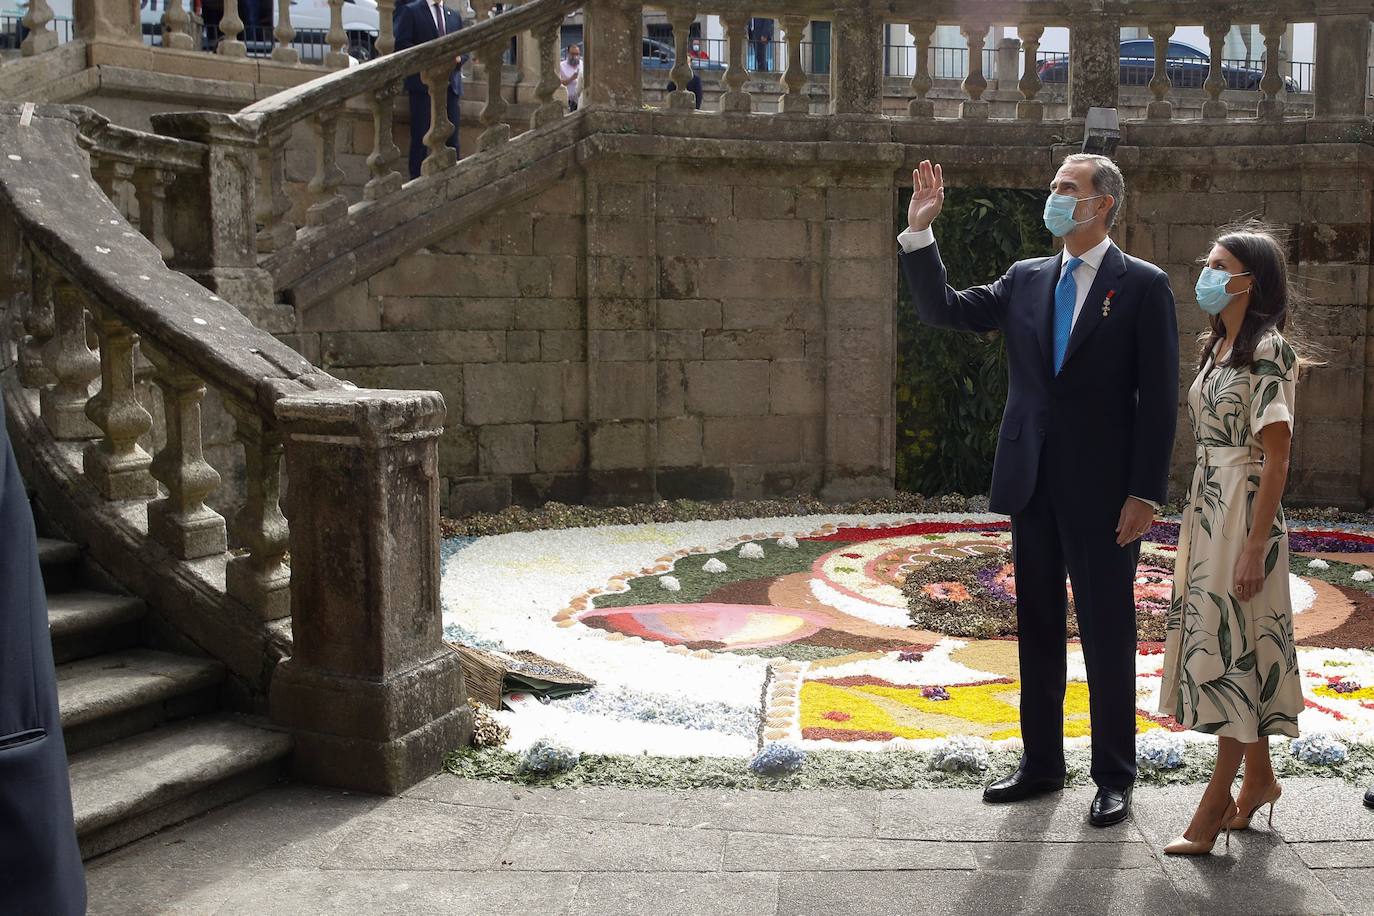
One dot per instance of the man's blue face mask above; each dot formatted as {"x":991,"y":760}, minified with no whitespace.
{"x":1059,"y":210}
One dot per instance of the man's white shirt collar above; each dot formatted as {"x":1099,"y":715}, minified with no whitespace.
{"x":1092,"y":257}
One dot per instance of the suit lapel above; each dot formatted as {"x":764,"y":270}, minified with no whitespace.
{"x":426,"y":13}
{"x":1041,"y":294}
{"x":1109,"y":275}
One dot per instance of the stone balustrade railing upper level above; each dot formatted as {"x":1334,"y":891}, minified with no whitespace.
{"x":358,"y":571}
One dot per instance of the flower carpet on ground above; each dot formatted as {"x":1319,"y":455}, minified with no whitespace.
{"x":850,"y":633}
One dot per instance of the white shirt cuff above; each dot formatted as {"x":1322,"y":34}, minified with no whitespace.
{"x":916,"y":239}
{"x":1149,"y":502}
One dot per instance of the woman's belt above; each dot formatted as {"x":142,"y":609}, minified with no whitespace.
{"x":1221,"y":456}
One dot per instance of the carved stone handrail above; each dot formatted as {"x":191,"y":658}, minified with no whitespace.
{"x":280,"y":110}
{"x":370,"y":691}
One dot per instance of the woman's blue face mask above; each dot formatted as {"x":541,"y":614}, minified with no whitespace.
{"x":1059,"y":209}
{"x":1212,"y":296}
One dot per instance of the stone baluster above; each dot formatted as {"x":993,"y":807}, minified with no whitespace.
{"x":150,"y":190}
{"x":38,"y":17}
{"x":921,"y":107}
{"x":373,"y":696}
{"x":1339,"y":78}
{"x":176,"y":27}
{"x":1030,"y":108}
{"x":550,"y":109}
{"x":38,"y":324}
{"x":683,"y":99}
{"x":273,"y":204}
{"x":386,"y":39}
{"x":327,"y":203}
{"x":385,"y":179}
{"x":1271,"y":106}
{"x":116,"y":465}
{"x":495,"y":129}
{"x":1215,"y":30}
{"x":230,"y":27}
{"x":73,"y":364}
{"x":794,"y":101}
{"x":1160,"y":108}
{"x":180,"y":521}
{"x":975,"y":106}
{"x":259,"y":579}
{"x":736,"y":98}
{"x":285,"y":33}
{"x":441,"y":156}
{"x":337,"y":58}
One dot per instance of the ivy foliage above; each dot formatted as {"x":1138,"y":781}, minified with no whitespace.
{"x":952,"y":385}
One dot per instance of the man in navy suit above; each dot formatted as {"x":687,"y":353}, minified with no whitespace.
{"x":40,"y":867}
{"x":413,"y":23}
{"x":1083,"y":455}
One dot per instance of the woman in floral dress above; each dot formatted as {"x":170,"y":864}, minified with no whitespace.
{"x":1230,"y":666}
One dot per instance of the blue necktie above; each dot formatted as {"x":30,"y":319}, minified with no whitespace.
{"x":1064,"y":295}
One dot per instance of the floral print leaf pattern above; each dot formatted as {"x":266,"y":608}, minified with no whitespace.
{"x":1230,"y":665}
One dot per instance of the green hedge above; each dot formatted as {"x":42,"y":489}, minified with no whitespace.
{"x":952,"y":386}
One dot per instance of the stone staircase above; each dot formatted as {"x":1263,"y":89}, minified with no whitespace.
{"x":148,"y":741}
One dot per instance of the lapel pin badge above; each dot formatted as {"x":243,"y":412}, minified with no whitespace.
{"x":1107,"y":303}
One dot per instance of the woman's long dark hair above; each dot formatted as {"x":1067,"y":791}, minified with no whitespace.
{"x":1256,"y":246}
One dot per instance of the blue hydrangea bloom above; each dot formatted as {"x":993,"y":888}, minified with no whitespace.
{"x":777,"y":760}
{"x":1159,"y":750}
{"x":1318,"y":750}
{"x":959,"y":753}
{"x":544,"y":758}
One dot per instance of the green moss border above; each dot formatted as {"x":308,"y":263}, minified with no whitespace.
{"x":888,"y":769}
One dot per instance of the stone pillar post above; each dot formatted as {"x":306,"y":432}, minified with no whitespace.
{"x":1094,"y":59}
{"x":373,"y":696}
{"x":1008,"y":69}
{"x":614,"y":54}
{"x":1342,"y":51}
{"x":213,"y":215}
{"x":856,"y":73}
{"x":107,"y":20}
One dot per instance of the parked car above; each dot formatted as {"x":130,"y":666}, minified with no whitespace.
{"x":659,"y":55}
{"x":1186,"y":66}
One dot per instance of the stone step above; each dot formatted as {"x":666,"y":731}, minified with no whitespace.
{"x":87,"y":623}
{"x":138,"y":785}
{"x":60,"y":562}
{"x":111,"y":696}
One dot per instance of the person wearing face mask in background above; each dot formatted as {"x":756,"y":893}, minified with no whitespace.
{"x":1230,"y":666}
{"x":1082,"y":457}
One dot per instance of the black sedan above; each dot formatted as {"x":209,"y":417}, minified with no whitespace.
{"x":1186,"y":65}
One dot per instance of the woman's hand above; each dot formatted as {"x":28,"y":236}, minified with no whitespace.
{"x":927,"y":195}
{"x":1249,"y":572}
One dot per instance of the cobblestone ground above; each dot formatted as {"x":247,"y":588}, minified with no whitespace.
{"x":454,"y":846}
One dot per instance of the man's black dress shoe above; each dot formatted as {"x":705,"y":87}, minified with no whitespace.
{"x":1111,"y":806}
{"x":1019,"y":787}
{"x":1369,"y":798}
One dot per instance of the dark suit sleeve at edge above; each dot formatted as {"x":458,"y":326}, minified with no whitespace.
{"x":403,"y":30}
{"x":980,"y":308}
{"x":1156,"y":415}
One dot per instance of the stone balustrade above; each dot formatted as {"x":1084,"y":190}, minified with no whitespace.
{"x":364,"y":680}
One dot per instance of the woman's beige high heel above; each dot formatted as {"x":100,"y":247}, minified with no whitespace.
{"x":1186,"y":847}
{"x":1242,"y":822}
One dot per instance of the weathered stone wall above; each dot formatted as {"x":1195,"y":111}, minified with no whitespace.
{"x":657,"y":327}
{"x":647,"y":329}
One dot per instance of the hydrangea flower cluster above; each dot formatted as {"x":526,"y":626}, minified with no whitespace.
{"x":1159,"y":750}
{"x":910,"y":655}
{"x":1319,"y":750}
{"x":789,"y":542}
{"x":959,"y":753}
{"x":486,"y":731}
{"x":714,"y":565}
{"x":1318,"y":563}
{"x":1363,"y":575}
{"x":777,"y":760}
{"x":669,"y":583}
{"x":751,"y":551}
{"x":544,"y":758}
{"x":1344,"y":685}
{"x":935,"y":693}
